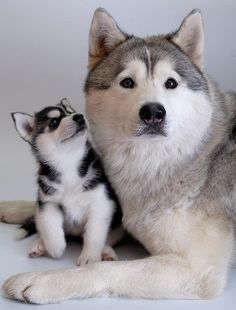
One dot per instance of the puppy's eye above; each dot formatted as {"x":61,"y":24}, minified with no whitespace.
{"x":127,"y":83}
{"x":54,"y":123}
{"x":171,"y":83}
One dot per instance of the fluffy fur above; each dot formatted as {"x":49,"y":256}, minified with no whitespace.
{"x":74,"y":195}
{"x":175,"y":177}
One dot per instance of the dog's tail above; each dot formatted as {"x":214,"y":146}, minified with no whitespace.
{"x":19,"y":212}
{"x":16,"y":212}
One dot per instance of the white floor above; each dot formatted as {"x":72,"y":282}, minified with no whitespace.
{"x":13,"y":259}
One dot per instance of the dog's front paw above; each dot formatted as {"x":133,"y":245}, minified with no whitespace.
{"x":33,"y":287}
{"x":37,"y":249}
{"x":20,"y":287}
{"x":55,"y":248}
{"x":108,"y":254}
{"x":86,"y":259}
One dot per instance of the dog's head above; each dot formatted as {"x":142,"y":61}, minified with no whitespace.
{"x":151,"y":88}
{"x":53,"y":129}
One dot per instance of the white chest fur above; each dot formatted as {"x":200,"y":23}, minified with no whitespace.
{"x":153,"y":189}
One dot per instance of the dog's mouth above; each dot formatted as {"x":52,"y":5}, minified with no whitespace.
{"x":151,"y":130}
{"x":76,"y":133}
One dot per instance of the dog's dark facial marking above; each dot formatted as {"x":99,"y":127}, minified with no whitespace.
{"x":49,"y":172}
{"x":46,"y":189}
{"x":162,"y":48}
{"x":195,"y":80}
{"x":150,"y":51}
{"x":43,"y":119}
{"x":103,"y":80}
{"x":52,"y":114}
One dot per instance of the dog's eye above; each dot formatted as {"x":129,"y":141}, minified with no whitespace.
{"x":171,"y":83}
{"x":127,"y":83}
{"x":54,"y":123}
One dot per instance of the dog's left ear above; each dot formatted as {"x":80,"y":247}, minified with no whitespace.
{"x":190,"y":37}
{"x":24,"y":124}
{"x":104,"y":36}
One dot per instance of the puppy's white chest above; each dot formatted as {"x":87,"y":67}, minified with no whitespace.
{"x":74,"y":202}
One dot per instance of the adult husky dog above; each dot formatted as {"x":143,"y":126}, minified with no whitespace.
{"x":166,"y":134}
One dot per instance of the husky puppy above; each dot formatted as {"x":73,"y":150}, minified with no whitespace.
{"x":74,"y":195}
{"x":166,"y":134}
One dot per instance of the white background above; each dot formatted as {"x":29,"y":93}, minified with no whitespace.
{"x":43,"y":58}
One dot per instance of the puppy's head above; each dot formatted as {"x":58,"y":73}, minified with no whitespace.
{"x":148,"y":89}
{"x":52,"y":129}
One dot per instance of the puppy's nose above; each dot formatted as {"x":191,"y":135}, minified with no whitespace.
{"x":78,"y":118}
{"x":152,"y":113}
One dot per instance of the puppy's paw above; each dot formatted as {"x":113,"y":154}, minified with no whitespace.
{"x":37,"y":249}
{"x":86,"y":259}
{"x":55,"y":248}
{"x":108,"y":254}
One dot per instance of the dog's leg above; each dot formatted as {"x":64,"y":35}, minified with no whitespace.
{"x":16,"y":212}
{"x":165,"y":276}
{"x":95,"y":233}
{"x":49,"y":222}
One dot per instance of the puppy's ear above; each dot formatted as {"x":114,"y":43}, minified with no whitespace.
{"x":24,"y":124}
{"x":104,"y":36}
{"x":190,"y":37}
{"x":64,"y":103}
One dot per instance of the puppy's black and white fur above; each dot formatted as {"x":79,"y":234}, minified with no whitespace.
{"x":74,"y":195}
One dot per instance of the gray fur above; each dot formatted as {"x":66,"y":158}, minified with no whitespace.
{"x":160,"y":48}
{"x":152,"y":179}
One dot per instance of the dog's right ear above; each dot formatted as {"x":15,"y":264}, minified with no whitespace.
{"x":24,"y":124}
{"x":104,"y":36}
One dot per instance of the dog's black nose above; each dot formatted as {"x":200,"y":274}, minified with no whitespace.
{"x":152,"y":113}
{"x":78,"y":118}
